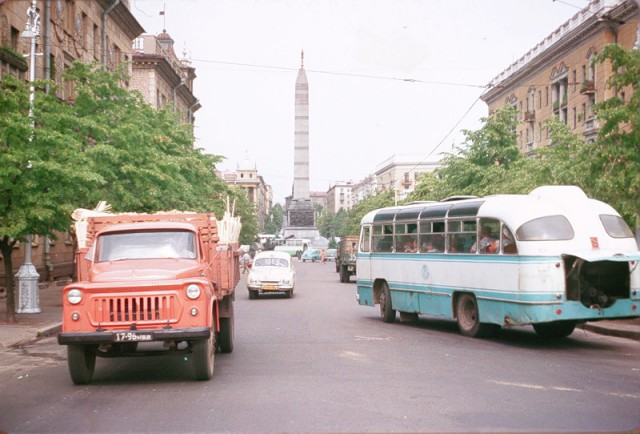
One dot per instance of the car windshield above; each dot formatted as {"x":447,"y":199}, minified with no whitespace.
{"x":120,"y":246}
{"x":271,"y":262}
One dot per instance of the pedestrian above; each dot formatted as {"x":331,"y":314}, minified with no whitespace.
{"x":323,"y":256}
{"x":245,"y":260}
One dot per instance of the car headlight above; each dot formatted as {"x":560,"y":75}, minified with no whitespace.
{"x":74,"y":296}
{"x":193,"y":291}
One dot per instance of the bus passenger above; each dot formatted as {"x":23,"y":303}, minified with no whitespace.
{"x":487,"y":242}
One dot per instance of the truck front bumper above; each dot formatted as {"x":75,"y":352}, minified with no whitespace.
{"x":127,"y":336}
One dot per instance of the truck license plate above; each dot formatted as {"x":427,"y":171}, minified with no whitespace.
{"x":132,"y":337}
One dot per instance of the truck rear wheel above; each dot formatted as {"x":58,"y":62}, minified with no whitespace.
{"x":225,"y":343}
{"x":344,"y":274}
{"x":82,"y":362}
{"x":203,"y":354}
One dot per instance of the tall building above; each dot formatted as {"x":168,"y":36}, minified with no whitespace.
{"x":401,"y":171}
{"x":300,"y":217}
{"x":558,"y":78}
{"x":339,"y":197}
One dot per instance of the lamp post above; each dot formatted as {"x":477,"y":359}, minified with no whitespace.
{"x":29,"y":298}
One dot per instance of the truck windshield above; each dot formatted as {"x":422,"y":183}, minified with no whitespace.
{"x":120,"y":246}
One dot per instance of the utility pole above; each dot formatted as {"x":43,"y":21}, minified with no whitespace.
{"x":29,"y":297}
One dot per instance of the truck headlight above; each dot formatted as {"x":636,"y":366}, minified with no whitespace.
{"x":193,"y":291}
{"x":74,"y":296}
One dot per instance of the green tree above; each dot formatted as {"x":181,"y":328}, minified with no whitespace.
{"x":480,"y":165}
{"x":43,"y":173}
{"x":275,"y":219}
{"x":615,"y":157}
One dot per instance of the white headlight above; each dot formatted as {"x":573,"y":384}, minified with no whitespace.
{"x":193,"y":291}
{"x":74,"y":296}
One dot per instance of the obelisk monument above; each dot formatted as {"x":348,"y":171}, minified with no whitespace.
{"x":301,"y":213}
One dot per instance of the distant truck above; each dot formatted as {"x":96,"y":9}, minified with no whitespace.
{"x":346,"y":257}
{"x":150,"y":278}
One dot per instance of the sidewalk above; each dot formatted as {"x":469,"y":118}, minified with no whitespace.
{"x":31,"y":326}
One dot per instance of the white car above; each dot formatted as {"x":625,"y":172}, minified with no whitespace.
{"x":271,"y":271}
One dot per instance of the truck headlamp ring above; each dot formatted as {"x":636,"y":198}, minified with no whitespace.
{"x":193,"y":291}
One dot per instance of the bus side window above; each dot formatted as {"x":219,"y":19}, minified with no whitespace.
{"x":488,"y":238}
{"x":508,"y":241}
{"x":365,"y":243}
{"x":461,"y":236}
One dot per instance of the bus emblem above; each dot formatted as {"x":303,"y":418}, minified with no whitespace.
{"x":425,"y":272}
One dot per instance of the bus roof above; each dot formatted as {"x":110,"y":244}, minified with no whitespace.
{"x":514,"y":210}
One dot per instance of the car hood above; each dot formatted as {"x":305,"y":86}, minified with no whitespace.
{"x":144,"y":270}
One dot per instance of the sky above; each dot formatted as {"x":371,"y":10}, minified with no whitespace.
{"x":385,"y":76}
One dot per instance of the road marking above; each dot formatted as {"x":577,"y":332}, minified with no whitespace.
{"x":372,"y":338}
{"x":561,"y":389}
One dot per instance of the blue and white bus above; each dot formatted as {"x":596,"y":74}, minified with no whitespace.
{"x":553,"y":258}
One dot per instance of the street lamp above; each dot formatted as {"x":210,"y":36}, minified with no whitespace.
{"x":29,"y":298}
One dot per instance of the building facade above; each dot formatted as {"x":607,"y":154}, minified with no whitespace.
{"x":162,"y":78}
{"x":339,"y":197}
{"x":258,"y":192}
{"x":558,"y":78}
{"x":400,"y":172}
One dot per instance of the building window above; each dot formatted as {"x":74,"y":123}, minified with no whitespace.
{"x":573,"y":82}
{"x":96,"y":42}
{"x":574,"y":116}
{"x":539,"y":99}
{"x":546,"y":96}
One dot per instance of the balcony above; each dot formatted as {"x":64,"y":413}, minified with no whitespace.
{"x":590,"y":128}
{"x":530,"y":116}
{"x":587,"y":87}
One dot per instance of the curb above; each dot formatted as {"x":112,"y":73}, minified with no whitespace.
{"x":610,"y":331}
{"x":49,"y":330}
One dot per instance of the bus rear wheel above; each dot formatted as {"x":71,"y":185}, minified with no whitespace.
{"x":387,"y":313}
{"x":469,"y":318}
{"x":554,"y":329}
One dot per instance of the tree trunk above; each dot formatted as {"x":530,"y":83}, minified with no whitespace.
{"x":6,"y":247}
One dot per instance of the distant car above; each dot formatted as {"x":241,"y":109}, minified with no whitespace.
{"x":271,"y":271}
{"x":331,"y":254}
{"x":312,"y":255}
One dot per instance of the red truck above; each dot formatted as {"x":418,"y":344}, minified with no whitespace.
{"x":150,"y":284}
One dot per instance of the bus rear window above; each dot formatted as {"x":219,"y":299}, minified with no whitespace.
{"x":615,"y":226}
{"x":552,"y":228}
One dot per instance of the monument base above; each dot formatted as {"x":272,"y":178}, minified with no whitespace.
{"x":302,"y":232}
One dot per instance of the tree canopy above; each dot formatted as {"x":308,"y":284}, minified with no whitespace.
{"x":105,"y":144}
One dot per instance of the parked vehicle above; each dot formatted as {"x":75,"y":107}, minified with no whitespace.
{"x":271,"y":272}
{"x":312,"y":255}
{"x":330,"y":254}
{"x":346,"y":257}
{"x":553,"y":258}
{"x":149,"y":278}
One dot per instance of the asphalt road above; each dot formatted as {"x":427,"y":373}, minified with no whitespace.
{"x":319,"y":362}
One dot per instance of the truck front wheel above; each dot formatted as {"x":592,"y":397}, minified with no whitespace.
{"x":203,"y":353}
{"x":82,"y":362}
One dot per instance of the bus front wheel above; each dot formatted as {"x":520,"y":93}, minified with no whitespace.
{"x":387,"y":313}
{"x":469,"y":318}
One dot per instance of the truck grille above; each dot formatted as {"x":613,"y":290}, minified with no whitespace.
{"x":156,"y":308}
